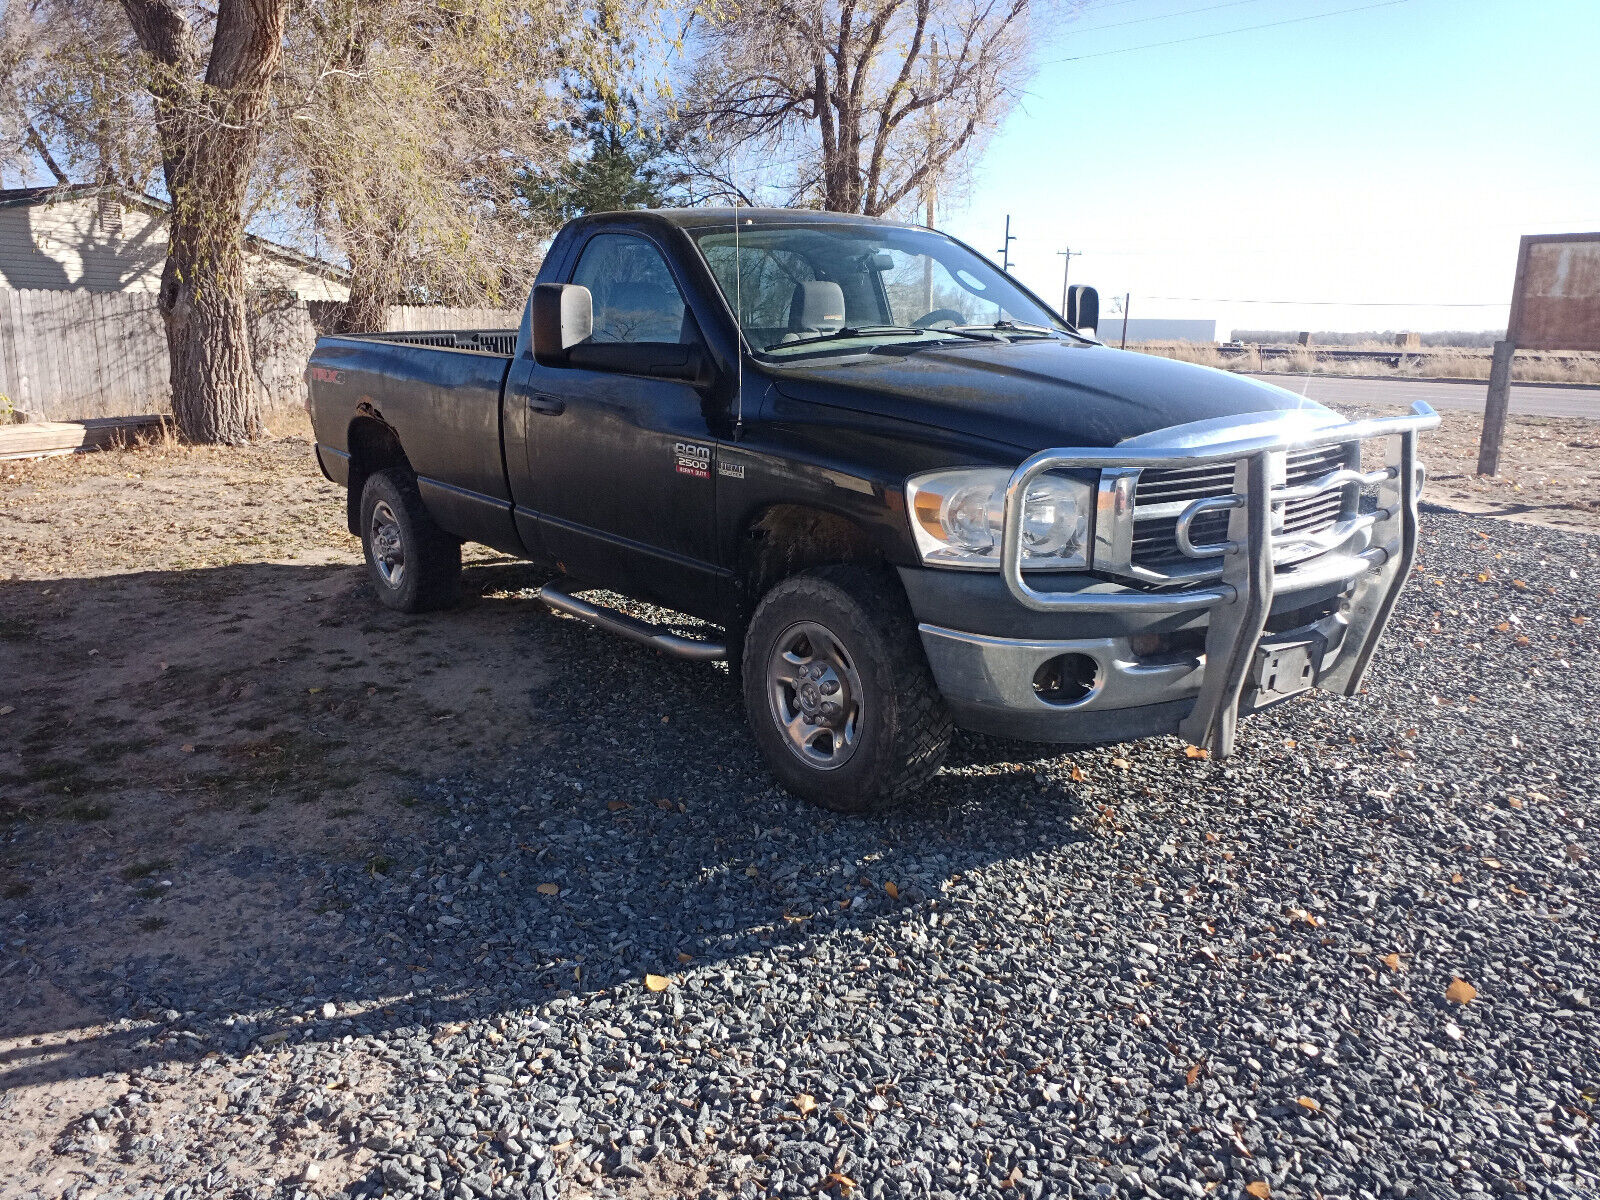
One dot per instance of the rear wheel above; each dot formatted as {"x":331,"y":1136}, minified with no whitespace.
{"x":413,"y":564}
{"x":838,"y":692}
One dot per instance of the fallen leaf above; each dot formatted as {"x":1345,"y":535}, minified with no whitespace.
{"x":7,"y":710}
{"x":1520,"y":584}
{"x":685,"y":958}
{"x":313,"y":691}
{"x":1290,"y":744}
{"x":893,"y":889}
{"x":1457,"y":877}
{"x":1460,"y":992}
{"x":1392,"y":961}
{"x":752,"y":870}
{"x":1503,"y":627}
{"x":839,"y":1180}
{"x":806,"y":1103}
{"x":1193,"y":1073}
{"x":1121,"y":764}
{"x":1195,"y":752}
{"x":1259,"y":1189}
{"x":1011,"y":1180}
{"x":1484,"y":577}
{"x":618,"y":805}
{"x":1522,"y":640}
{"x":548,"y":889}
{"x":1492,"y":862}
{"x":1514,"y":801}
{"x":187,"y":747}
{"x":1307,"y":1102}
{"x":1077,"y":774}
{"x":1580,"y":620}
{"x":657,"y":983}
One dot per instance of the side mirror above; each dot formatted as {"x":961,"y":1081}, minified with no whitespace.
{"x":562,"y":317}
{"x":1083,"y":307}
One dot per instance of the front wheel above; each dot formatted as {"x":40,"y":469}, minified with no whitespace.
{"x":838,"y":691}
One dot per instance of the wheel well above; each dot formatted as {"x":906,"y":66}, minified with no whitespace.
{"x":374,"y":446}
{"x":789,"y":538}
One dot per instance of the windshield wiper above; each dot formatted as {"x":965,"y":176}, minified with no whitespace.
{"x":977,"y":334}
{"x":849,"y":332}
{"x":1012,"y":327}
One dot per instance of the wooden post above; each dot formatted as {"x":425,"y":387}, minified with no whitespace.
{"x":1495,"y":408}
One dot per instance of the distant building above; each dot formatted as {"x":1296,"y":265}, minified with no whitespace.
{"x":1155,"y":329}
{"x":107,"y":238}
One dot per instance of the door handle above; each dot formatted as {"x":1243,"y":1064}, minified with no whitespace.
{"x":548,"y":405}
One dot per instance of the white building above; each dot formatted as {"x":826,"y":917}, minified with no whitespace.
{"x":1154,"y":329}
{"x":107,"y":238}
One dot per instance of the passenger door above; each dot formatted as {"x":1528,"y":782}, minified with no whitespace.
{"x":621,"y":469}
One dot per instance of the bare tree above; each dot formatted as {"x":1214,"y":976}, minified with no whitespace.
{"x":850,"y":105}
{"x":405,"y":131}
{"x":397,"y":129}
{"x":210,"y":106}
{"x":75,"y":102}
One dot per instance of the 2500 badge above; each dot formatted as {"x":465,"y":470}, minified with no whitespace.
{"x":693,"y":460}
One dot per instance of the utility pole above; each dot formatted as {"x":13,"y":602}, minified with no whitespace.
{"x":1067,"y":255}
{"x":930,"y":186}
{"x":1127,"y":301}
{"x":1005,"y":247}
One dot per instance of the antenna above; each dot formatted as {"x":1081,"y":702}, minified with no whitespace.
{"x":738,"y":328}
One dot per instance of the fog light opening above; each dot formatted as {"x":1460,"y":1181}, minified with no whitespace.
{"x":1066,"y":679}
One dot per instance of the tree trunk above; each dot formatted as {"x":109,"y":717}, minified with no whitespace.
{"x":210,"y":127}
{"x":367,"y":310}
{"x":215,"y":398}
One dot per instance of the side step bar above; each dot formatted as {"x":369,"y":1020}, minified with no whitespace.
{"x":635,"y":630}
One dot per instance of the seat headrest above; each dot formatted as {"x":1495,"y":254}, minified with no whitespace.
{"x":818,"y":306}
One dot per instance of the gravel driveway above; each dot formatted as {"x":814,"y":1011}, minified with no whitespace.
{"x":625,"y":963}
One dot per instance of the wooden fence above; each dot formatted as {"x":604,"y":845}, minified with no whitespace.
{"x":67,"y":355}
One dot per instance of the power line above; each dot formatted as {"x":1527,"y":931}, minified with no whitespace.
{"x":1188,"y":12}
{"x":1339,"y":303}
{"x":1201,"y":37}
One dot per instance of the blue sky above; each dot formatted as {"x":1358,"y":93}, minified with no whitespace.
{"x":1387,"y":156}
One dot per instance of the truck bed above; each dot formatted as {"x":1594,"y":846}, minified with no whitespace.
{"x":439,"y":390}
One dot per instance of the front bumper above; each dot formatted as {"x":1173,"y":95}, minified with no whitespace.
{"x":991,"y":682}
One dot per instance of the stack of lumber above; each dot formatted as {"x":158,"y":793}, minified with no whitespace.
{"x":38,"y":439}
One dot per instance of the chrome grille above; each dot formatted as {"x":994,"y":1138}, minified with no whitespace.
{"x":1161,"y":495}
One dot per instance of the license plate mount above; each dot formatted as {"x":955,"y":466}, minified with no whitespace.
{"x":1283,"y":670}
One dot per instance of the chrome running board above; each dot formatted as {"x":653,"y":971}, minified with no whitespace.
{"x":632,"y":628}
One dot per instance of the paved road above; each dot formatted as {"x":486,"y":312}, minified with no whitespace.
{"x":1530,"y":401}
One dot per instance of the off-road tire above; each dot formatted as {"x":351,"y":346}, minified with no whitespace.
{"x":904,"y":725}
{"x":431,"y":571}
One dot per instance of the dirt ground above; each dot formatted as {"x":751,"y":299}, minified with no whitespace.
{"x":189,"y":657}
{"x":1549,"y":468}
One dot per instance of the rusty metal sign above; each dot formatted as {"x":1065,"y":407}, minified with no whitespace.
{"x":1555,"y":303}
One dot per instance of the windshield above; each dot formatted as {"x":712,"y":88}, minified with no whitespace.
{"x":802,"y":288}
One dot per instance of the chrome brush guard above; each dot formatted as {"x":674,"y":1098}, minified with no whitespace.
{"x":1240,"y":597}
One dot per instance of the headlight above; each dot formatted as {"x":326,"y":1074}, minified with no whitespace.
{"x":957,"y":519}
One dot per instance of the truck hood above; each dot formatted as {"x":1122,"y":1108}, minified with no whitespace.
{"x":1034,"y":394}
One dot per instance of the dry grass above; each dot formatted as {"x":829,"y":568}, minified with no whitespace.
{"x":1444,"y":364}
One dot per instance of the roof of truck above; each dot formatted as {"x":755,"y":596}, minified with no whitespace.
{"x":699,"y":218}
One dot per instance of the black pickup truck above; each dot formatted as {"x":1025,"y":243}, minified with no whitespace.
{"x":909,"y":494}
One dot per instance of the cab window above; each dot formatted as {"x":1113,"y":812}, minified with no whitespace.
{"x":635,"y":298}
